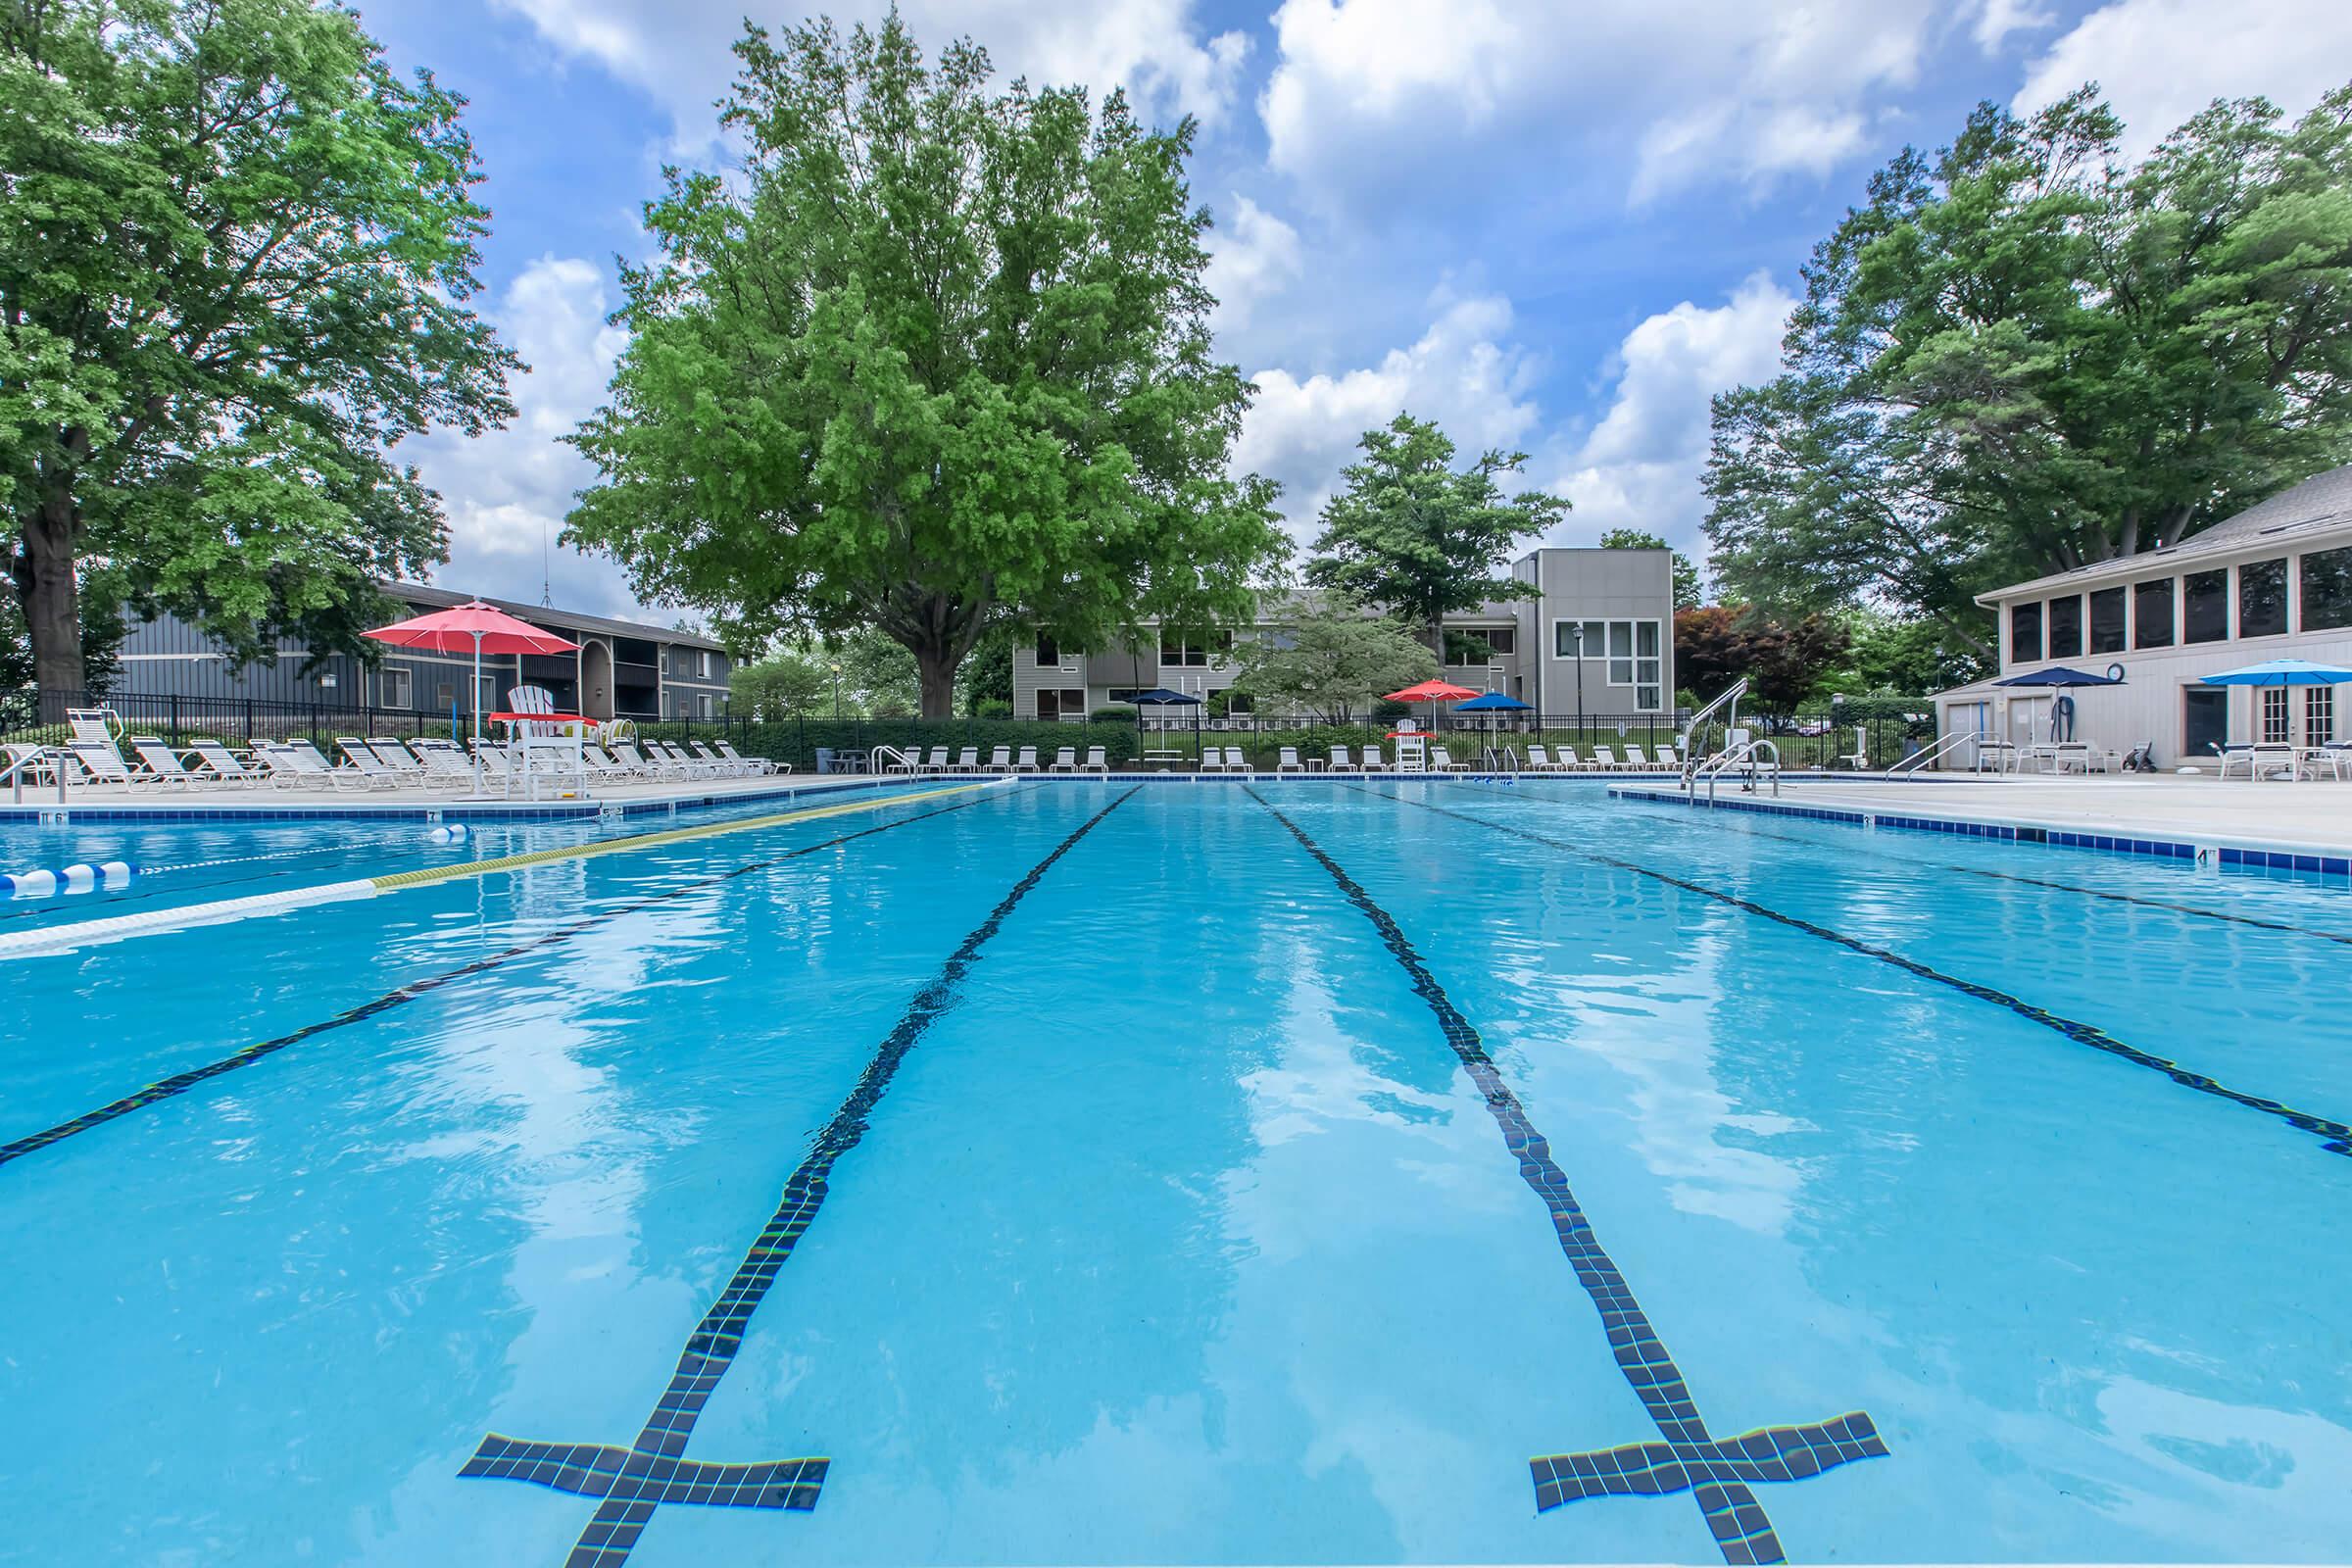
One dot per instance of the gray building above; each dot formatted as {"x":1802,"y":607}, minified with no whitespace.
{"x":622,"y":670}
{"x":1597,"y":638}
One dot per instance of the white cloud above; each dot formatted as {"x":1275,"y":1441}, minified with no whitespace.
{"x":2161,"y":61}
{"x":1638,"y":467}
{"x":1464,"y":372}
{"x":679,"y":50}
{"x":505,"y":492}
{"x":1254,"y":257}
{"x":1996,"y":20}
{"x":1373,"y":90}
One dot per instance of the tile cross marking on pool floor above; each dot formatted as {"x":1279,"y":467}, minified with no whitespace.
{"x":633,"y":1482}
{"x":1715,"y":1471}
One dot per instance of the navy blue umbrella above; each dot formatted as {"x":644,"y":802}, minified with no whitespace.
{"x":2061,"y":676}
{"x":1161,"y":697}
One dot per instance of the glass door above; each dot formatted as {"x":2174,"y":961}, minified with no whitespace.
{"x":2204,"y":721}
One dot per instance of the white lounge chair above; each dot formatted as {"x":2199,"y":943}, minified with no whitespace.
{"x":102,"y":763}
{"x":1339,"y":763}
{"x":759,"y":766}
{"x":1287,"y":761}
{"x":1096,"y":762}
{"x":218,"y":761}
{"x":967,"y":761}
{"x":443,"y":762}
{"x":302,"y":768}
{"x":719,"y":766}
{"x":1604,"y":759}
{"x":161,"y":764}
{"x":93,"y":727}
{"x":1212,"y":759}
{"x":1439,"y":761}
{"x":368,"y":764}
{"x":1236,"y":760}
{"x":999,"y":760}
{"x":1026,"y":762}
{"x":394,"y":755}
{"x":1065,"y":759}
{"x":1372,"y":762}
{"x":936,"y":761}
{"x":1634,"y":757}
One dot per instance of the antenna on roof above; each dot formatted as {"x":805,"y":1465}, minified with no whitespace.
{"x":547,"y":584}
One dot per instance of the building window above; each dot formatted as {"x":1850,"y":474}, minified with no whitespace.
{"x":2107,"y":620}
{"x":2066,"y":627}
{"x":1048,"y":653}
{"x":702,"y":667}
{"x":1196,"y":652}
{"x":2025,"y":632}
{"x":2326,"y":589}
{"x":2205,"y":606}
{"x":1503,"y":640}
{"x":2319,"y":714}
{"x":2152,"y":614}
{"x":1632,"y":649}
{"x":396,"y":688}
{"x":445,"y":694}
{"x":2262,"y":598}
{"x":702,"y":706}
{"x":1566,"y":643}
{"x":2273,"y":714}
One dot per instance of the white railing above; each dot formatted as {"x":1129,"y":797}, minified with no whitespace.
{"x":893,"y":759}
{"x":1757,"y":758}
{"x":1694,"y":755}
{"x":1931,"y":753}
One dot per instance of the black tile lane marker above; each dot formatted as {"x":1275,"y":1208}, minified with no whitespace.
{"x":1715,"y":1471}
{"x":634,"y":1481}
{"x":2335,"y":1136}
{"x":181,"y":1082}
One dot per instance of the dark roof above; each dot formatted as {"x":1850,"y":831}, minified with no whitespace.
{"x":417,"y":593}
{"x":2320,"y":504}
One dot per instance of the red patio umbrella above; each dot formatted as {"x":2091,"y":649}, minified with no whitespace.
{"x":1432,"y":691}
{"x":484,"y":629}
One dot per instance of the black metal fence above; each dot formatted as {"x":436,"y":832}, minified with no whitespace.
{"x":1817,"y":736}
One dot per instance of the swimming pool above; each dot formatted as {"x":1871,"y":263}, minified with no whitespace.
{"x":1285,"y":1172}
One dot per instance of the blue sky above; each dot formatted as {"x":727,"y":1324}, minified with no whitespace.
{"x":1553,"y":226}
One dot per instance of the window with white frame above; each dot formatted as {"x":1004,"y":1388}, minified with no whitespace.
{"x":702,"y":705}
{"x":2319,"y":716}
{"x":396,"y":687}
{"x":1633,"y":649}
{"x":2273,"y":714}
{"x":702,"y":666}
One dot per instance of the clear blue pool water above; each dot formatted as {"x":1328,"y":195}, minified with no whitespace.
{"x":1199,"y":1197}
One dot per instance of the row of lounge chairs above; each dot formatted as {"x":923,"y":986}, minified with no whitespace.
{"x":382,"y":763}
{"x":1004,"y":760}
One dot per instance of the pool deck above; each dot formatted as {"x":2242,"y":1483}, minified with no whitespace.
{"x":2307,"y":817}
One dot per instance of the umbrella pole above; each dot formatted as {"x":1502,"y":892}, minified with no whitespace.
{"x":474,"y":736}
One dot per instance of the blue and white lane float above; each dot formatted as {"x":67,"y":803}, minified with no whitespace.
{"x":79,"y":878}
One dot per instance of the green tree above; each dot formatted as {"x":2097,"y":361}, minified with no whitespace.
{"x":234,"y":255}
{"x":1416,"y":537}
{"x":1332,"y":656}
{"x":987,"y":672}
{"x":1907,"y":656}
{"x":879,"y":676}
{"x":1784,"y":661}
{"x":1688,"y":592}
{"x":2023,"y":355}
{"x":930,"y":361}
{"x":787,"y":683}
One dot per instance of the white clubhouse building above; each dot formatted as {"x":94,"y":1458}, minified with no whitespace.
{"x":2272,"y":582}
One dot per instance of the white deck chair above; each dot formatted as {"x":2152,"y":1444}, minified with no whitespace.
{"x":999,"y":760}
{"x":94,"y":726}
{"x":1236,"y":760}
{"x":1094,"y":760}
{"x":936,"y":761}
{"x":1442,"y":761}
{"x":967,"y":761}
{"x":1634,"y":757}
{"x":1372,"y":761}
{"x":1026,"y":762}
{"x":394,"y":755}
{"x":753,"y":764}
{"x":162,"y":764}
{"x":723,"y":765}
{"x":218,"y":761}
{"x":1604,"y":759}
{"x":102,"y":763}
{"x":1065,"y":759}
{"x":368,"y":764}
{"x":1212,"y":759}
{"x":1287,"y":760}
{"x":1340,"y":760}
{"x":444,"y":762}
{"x":300,"y":768}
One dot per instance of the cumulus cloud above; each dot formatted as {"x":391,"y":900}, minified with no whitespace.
{"x":1995,"y":20}
{"x":1464,"y":371}
{"x":1363,"y":90}
{"x":679,"y":50}
{"x":1639,"y":466}
{"x":1254,"y":256}
{"x":2161,"y":61}
{"x":505,"y":492}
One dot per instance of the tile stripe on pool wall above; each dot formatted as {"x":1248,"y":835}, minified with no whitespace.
{"x":2335,"y":1136}
{"x":1716,"y":1471}
{"x":633,"y":1482}
{"x":181,"y":1082}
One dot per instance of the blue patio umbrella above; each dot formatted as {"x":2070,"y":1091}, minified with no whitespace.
{"x":1161,"y":697}
{"x":2063,"y":677}
{"x":1491,"y":703}
{"x":2282,"y":673}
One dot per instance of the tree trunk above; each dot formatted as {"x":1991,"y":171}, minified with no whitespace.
{"x":47,"y":592}
{"x":937,"y":667}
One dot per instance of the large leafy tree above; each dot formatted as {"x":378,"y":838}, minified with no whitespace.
{"x":2023,"y":354}
{"x":234,"y":255}
{"x":934,"y":358}
{"x":1332,"y":656}
{"x":1419,"y":538}
{"x":1784,"y":661}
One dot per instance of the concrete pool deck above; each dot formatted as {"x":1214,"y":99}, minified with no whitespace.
{"x":2308,"y":816}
